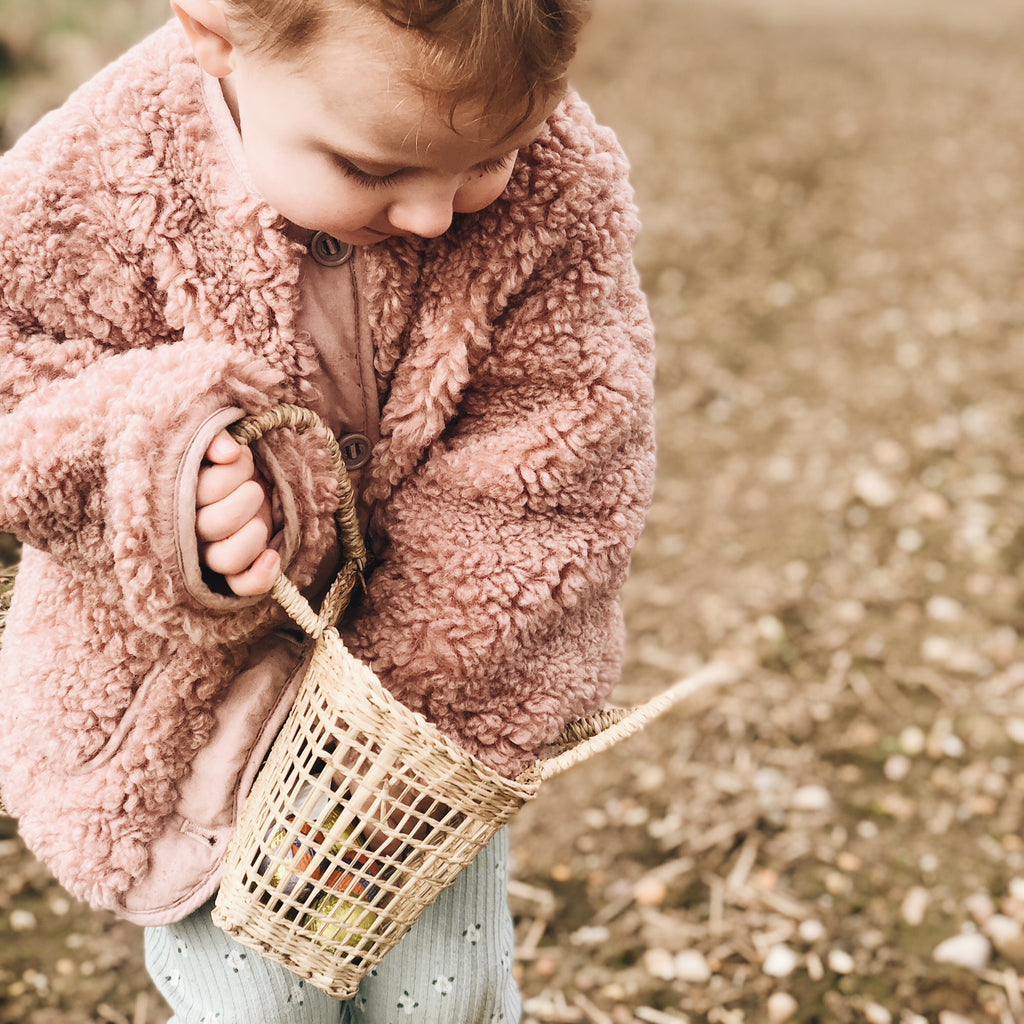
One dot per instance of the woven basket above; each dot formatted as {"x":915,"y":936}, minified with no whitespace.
{"x":8,"y":573}
{"x":364,"y":812}
{"x":7,"y":577}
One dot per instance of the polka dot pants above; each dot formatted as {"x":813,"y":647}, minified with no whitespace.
{"x":454,"y":966}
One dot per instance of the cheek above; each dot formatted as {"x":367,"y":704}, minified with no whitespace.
{"x":310,"y":196}
{"x":480,"y":192}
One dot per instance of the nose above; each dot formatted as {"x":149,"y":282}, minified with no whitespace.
{"x":426,"y":214}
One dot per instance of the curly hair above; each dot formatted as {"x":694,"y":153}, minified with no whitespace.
{"x":509,"y":55}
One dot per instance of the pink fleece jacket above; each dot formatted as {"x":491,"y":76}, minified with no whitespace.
{"x":146,"y":299}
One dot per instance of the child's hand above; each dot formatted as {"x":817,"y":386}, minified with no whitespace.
{"x":233,"y":519}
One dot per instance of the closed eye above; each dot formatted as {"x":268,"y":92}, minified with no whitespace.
{"x":365,"y":178}
{"x":380,"y":181}
{"x":490,"y":166}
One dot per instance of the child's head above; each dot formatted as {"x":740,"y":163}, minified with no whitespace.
{"x":373,"y":118}
{"x":512,"y":55}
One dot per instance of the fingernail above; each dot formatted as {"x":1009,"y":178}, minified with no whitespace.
{"x":224,"y":445}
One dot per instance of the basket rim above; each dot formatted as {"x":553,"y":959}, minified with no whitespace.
{"x":524,"y":785}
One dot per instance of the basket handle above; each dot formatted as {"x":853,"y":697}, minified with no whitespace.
{"x":599,"y":731}
{"x":250,"y":429}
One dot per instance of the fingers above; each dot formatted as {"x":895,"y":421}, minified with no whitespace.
{"x":225,"y":517}
{"x":234,"y":521}
{"x":224,"y":449}
{"x":227,"y":466}
{"x":259,"y":578}
{"x":234,"y":553}
{"x":244,"y":560}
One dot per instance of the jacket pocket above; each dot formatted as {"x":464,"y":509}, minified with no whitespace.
{"x":128,"y":719}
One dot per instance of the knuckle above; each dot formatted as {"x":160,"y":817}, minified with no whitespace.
{"x":253,"y":493}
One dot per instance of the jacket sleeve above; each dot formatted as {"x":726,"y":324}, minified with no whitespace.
{"x":495,"y":610}
{"x":107,"y":396}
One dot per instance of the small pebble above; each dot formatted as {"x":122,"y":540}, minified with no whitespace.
{"x":944,"y":609}
{"x":780,"y":962}
{"x":811,"y":930}
{"x":875,"y":1013}
{"x":897,"y":767}
{"x":615,"y":991}
{"x":659,"y":963}
{"x":771,"y":629}
{"x":770,"y":780}
{"x":547,"y":966}
{"x":909,"y":540}
{"x":811,"y":798}
{"x":840,"y":962}
{"x":874,"y":489}
{"x":999,"y":927}
{"x":937,"y":649}
{"x":968,"y":949}
{"x":949,"y":1017}
{"x":691,"y":966}
{"x":1007,"y":936}
{"x":837,"y":883}
{"x":915,"y":905}
{"x":22,"y":921}
{"x":867,"y":829}
{"x":650,"y":891}
{"x":912,"y":740}
{"x":39,"y":981}
{"x":60,"y":906}
{"x":931,"y":506}
{"x":815,"y":968}
{"x":782,"y":1007}
{"x":590,"y":935}
{"x":940,"y":733}
{"x":847,"y":861}
{"x":953,"y":746}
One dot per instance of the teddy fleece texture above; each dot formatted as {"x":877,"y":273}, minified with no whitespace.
{"x":146,"y":298}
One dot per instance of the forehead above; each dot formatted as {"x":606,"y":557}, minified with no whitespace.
{"x":359,"y":50}
{"x":365,"y":85}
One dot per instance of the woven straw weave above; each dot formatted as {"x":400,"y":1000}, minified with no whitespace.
{"x":7,"y":577}
{"x":364,"y":812}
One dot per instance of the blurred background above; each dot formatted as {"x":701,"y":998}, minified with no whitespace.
{"x":833,"y":250}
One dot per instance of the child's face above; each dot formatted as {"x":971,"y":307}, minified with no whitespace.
{"x":344,"y":143}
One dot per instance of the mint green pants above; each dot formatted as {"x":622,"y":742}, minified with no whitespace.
{"x":454,"y":966}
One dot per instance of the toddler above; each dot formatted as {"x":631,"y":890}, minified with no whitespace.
{"x":396,"y":213}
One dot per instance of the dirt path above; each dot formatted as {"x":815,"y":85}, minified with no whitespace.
{"x":832,"y":198}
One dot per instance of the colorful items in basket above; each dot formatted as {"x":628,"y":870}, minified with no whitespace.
{"x":337,"y":896}
{"x":337,"y":919}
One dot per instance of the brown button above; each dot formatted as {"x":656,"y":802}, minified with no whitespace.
{"x":355,"y":450}
{"x":328,"y":251}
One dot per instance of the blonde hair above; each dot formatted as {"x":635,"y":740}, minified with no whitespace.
{"x":509,"y":55}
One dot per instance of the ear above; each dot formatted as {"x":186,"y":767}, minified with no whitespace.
{"x":207,"y":28}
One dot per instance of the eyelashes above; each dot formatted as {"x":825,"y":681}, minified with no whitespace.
{"x":366,"y":179}
{"x":381,"y":181}
{"x":490,"y":166}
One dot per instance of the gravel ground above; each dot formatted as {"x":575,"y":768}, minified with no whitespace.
{"x":833,"y":244}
